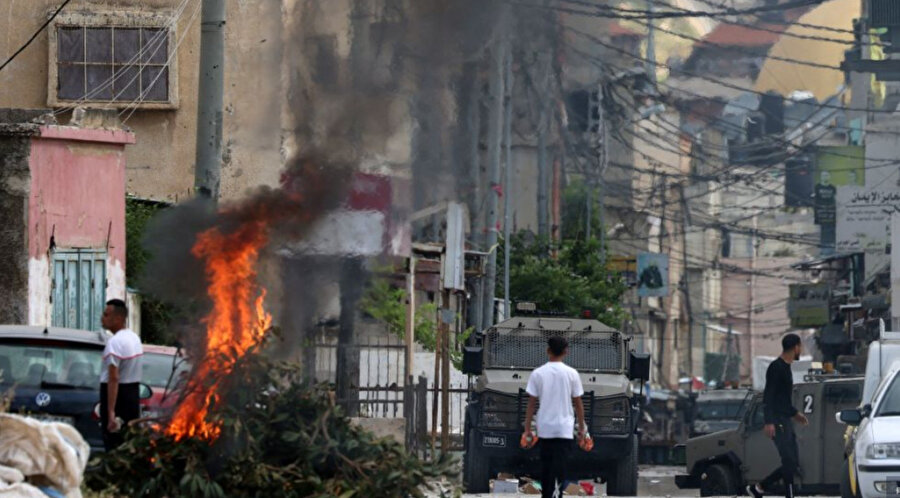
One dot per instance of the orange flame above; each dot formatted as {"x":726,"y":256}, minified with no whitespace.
{"x":232,"y":327}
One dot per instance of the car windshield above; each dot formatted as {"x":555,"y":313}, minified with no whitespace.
{"x":890,"y":401}
{"x":157,"y":368}
{"x":719,"y":410}
{"x":37,"y":364}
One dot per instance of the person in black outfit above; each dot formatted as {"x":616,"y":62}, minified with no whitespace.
{"x":780,"y":416}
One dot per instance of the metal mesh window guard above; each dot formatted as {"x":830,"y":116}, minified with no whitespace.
{"x":527,"y":348}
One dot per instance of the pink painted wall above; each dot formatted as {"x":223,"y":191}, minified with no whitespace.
{"x":78,"y":190}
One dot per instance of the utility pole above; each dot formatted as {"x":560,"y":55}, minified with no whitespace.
{"x":472,"y":158}
{"x":686,"y":287}
{"x":593,"y":127}
{"x":543,"y":167}
{"x":727,"y":354}
{"x":507,"y":175}
{"x":602,"y":137}
{"x":208,"y":167}
{"x":447,"y":317}
{"x":495,"y":135}
{"x":410,"y":332}
{"x":651,"y":44}
{"x":352,"y":271}
{"x":588,"y":200}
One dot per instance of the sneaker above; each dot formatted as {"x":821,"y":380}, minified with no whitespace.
{"x":753,"y":491}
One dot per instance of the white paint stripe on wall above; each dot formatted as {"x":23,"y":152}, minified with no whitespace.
{"x":39,"y":307}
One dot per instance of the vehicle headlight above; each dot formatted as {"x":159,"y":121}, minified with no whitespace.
{"x":883,"y":451}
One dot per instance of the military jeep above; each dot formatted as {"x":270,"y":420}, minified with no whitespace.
{"x":495,"y":414}
{"x":722,"y":463}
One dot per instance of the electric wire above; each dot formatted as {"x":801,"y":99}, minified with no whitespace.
{"x":34,"y":35}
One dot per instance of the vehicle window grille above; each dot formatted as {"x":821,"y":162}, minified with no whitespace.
{"x":527,"y":348}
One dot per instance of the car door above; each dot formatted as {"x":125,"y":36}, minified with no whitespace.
{"x":837,"y":396}
{"x":760,"y":457}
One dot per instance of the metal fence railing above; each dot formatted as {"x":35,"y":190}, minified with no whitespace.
{"x":380,"y":391}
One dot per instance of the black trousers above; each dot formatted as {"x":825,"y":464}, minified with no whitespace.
{"x":786,"y":443}
{"x":128,"y":408}
{"x":554,"y":458}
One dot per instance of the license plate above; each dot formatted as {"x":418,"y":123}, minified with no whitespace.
{"x":494,"y":440}
{"x":43,"y":417}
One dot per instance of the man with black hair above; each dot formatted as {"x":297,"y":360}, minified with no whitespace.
{"x":780,"y":416}
{"x":558,"y":387}
{"x":120,"y":375}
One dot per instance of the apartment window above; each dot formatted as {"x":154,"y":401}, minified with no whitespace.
{"x":97,"y":60}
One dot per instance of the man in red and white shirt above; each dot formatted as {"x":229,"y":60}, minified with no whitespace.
{"x":120,"y":376}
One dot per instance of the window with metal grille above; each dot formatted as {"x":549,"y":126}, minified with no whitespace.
{"x":116,"y":64}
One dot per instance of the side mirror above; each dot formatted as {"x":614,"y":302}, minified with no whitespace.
{"x":473,"y":360}
{"x":849,"y":417}
{"x":639,"y":366}
{"x":144,"y":391}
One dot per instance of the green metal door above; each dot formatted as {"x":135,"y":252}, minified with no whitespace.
{"x":79,"y":287}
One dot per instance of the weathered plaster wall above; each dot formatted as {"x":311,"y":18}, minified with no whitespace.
{"x":14,"y":184}
{"x":76,"y":200}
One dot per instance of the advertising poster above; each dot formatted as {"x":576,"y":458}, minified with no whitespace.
{"x":653,"y":274}
{"x":864,"y":218}
{"x":840,"y":166}
{"x":808,"y":304}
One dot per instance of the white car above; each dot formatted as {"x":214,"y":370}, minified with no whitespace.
{"x":876,"y":449}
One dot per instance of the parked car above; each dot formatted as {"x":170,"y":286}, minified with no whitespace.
{"x":882,"y":354}
{"x":164,"y":370}
{"x":53,"y":374}
{"x":875,"y":456}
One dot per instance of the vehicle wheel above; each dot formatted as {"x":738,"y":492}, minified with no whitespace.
{"x":847,"y":482}
{"x":476,"y":469}
{"x":624,"y":479}
{"x":718,"y":480}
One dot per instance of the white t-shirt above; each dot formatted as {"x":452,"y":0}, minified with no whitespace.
{"x":555,"y":384}
{"x":123,"y":350}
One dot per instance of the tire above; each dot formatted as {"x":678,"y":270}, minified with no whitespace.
{"x":718,"y":480}
{"x":624,"y":479}
{"x":476,"y":469}
{"x":846,"y":480}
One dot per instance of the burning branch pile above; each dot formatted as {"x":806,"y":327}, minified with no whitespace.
{"x":279,"y":437}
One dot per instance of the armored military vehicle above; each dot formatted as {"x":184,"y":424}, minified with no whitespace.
{"x":719,"y":410}
{"x":720,"y":464}
{"x":494,"y":419}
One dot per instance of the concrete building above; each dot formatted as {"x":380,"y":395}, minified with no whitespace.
{"x":82,"y":58}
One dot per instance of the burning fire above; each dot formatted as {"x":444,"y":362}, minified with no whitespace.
{"x":236,"y":323}
{"x":238,"y":319}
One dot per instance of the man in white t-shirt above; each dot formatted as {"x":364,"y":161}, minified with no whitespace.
{"x":558,"y":387}
{"x":120,"y":375}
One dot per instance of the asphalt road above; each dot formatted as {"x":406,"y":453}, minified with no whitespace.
{"x":653,"y":481}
